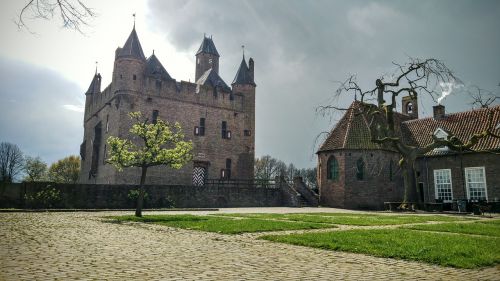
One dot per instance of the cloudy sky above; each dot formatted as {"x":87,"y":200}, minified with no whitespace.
{"x":300,"y":49}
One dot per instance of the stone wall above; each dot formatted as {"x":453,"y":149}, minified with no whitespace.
{"x":87,"y":196}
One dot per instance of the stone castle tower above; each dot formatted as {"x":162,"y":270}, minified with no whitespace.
{"x":220,"y":120}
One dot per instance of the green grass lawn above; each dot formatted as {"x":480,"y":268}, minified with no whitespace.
{"x":488,"y":228}
{"x":461,"y":251}
{"x":350,"y":218}
{"x":221,"y":224}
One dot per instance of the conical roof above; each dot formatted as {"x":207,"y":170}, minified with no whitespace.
{"x":207,"y":47}
{"x":95,"y":85}
{"x":132,"y":47}
{"x":155,"y":68}
{"x":243,"y":75}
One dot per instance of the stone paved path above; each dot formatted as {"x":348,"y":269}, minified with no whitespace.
{"x":69,"y":246}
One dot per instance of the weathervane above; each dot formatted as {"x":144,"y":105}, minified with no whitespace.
{"x":243,"y":49}
{"x":96,"y":67}
{"x":134,"y":18}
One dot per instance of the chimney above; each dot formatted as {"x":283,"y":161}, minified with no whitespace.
{"x":438,"y":111}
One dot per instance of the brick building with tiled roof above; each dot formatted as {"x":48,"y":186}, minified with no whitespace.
{"x":354,"y":172}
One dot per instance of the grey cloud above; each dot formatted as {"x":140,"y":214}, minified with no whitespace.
{"x":301,"y":47}
{"x":33,"y":114}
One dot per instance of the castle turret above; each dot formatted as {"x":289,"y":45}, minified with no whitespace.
{"x":94,"y":88}
{"x":207,"y":58}
{"x":130,"y":63}
{"x":244,"y":84}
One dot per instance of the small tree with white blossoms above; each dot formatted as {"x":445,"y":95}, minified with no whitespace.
{"x":161,"y":144}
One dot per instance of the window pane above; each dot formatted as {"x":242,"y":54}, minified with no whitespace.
{"x":442,"y":180}
{"x":476,"y":183}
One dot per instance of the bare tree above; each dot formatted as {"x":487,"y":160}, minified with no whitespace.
{"x":482,"y":98}
{"x":74,"y":14}
{"x":11,"y":162}
{"x":413,"y":78}
{"x":268,"y":167}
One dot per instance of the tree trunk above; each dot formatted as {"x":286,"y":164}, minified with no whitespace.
{"x":140,"y":198}
{"x":409,"y":179}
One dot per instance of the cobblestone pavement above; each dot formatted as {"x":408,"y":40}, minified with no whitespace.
{"x":69,"y":246}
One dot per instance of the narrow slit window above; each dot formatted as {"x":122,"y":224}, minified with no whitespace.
{"x":155,"y":116}
{"x":224,"y":129}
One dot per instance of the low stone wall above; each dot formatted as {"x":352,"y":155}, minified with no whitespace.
{"x":102,"y":196}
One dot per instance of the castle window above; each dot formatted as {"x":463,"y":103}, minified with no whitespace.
{"x":332,"y":166}
{"x":107,"y":123}
{"x":224,"y":130}
{"x":226,"y":173}
{"x":121,"y":76}
{"x":215,"y":92}
{"x":231,"y":96}
{"x":247,"y":133}
{"x":155,"y":116}
{"x":134,"y":77}
{"x":105,"y":155}
{"x":200,"y":131}
{"x":360,"y":169}
{"x":158,"y":84}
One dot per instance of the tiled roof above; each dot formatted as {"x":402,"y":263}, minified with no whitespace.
{"x":243,"y":76}
{"x":462,"y":125}
{"x":208,"y":47}
{"x":211,"y":78}
{"x":132,"y":47}
{"x":352,"y":131}
{"x":155,"y":68}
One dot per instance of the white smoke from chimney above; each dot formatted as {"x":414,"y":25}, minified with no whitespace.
{"x":446,"y":89}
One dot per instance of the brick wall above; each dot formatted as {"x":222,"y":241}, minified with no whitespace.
{"x":457,"y":164}
{"x":86,"y":196}
{"x":372,"y":191}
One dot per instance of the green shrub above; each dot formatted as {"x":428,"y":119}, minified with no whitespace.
{"x":47,"y":198}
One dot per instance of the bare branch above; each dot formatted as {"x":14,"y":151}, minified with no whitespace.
{"x":74,"y":14}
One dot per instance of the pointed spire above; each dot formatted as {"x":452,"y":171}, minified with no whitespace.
{"x":207,"y":46}
{"x":132,"y":47}
{"x":244,"y":74}
{"x":95,"y":85}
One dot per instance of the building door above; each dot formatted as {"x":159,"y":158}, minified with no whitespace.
{"x":199,"y":176}
{"x":421,"y":191}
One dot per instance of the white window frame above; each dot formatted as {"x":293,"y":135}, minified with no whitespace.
{"x":436,"y":185}
{"x":467,"y":182}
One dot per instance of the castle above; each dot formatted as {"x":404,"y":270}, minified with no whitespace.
{"x":220,"y":120}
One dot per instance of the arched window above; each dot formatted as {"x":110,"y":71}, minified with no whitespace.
{"x":360,"y":169}
{"x":332,"y":167}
